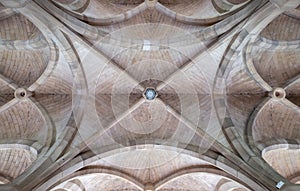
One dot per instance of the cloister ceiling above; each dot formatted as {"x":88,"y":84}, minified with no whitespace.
{"x":164,"y":95}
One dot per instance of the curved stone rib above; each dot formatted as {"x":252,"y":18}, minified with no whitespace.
{"x":50,"y":136}
{"x":91,"y":32}
{"x":209,"y":139}
{"x":253,"y":159}
{"x":221,"y":5}
{"x":264,"y":43}
{"x":190,"y":20}
{"x":241,"y":41}
{"x":60,"y":189}
{"x":211,"y":170}
{"x":116,"y":121}
{"x":32,"y":44}
{"x":286,"y":5}
{"x":47,"y":155}
{"x":294,"y":13}
{"x":54,"y":34}
{"x":227,"y":185}
{"x":26,"y":115}
{"x":82,"y":28}
{"x":31,"y":143}
{"x":100,"y":170}
{"x":5,"y":13}
{"x":291,"y":105}
{"x":174,"y":75}
{"x":81,"y":171}
{"x":292,"y":82}
{"x":110,"y":61}
{"x":190,"y":125}
{"x":193,"y":169}
{"x":23,"y":67}
{"x":113,"y":19}
{"x":161,"y":8}
{"x":15,"y":159}
{"x":8,"y":82}
{"x":73,"y":5}
{"x":277,"y":68}
{"x":75,"y":182}
{"x":14,"y":3}
{"x":248,"y":60}
{"x":80,"y":162}
{"x":280,"y":143}
{"x":254,"y":28}
{"x":41,"y":41}
{"x":52,"y":63}
{"x":65,"y":157}
{"x":185,"y":67}
{"x":247,"y":150}
{"x":251,"y":156}
{"x":235,"y":2}
{"x":206,"y":34}
{"x":292,"y":90}
{"x":269,"y":131}
{"x":58,"y":106}
{"x":269,"y":12}
{"x":4,"y":179}
{"x":121,"y":70}
{"x":251,"y":28}
{"x":228,"y":23}
{"x":35,"y":43}
{"x":217,"y":29}
{"x":9,"y":104}
{"x":251,"y":121}
{"x":282,"y":158}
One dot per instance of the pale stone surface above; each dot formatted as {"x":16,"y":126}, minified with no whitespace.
{"x":73,"y":77}
{"x":285,"y":161}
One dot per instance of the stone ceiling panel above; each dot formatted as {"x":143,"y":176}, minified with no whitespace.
{"x":15,"y":159}
{"x":276,"y":120}
{"x":282,"y":28}
{"x":286,"y":161}
{"x":93,"y":78}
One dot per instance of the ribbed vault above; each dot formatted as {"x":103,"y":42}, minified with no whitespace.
{"x":143,"y":168}
{"x":285,"y":160}
{"x":181,"y":95}
{"x":15,"y":159}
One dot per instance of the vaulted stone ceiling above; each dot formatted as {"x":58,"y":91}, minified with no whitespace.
{"x":182,"y":95}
